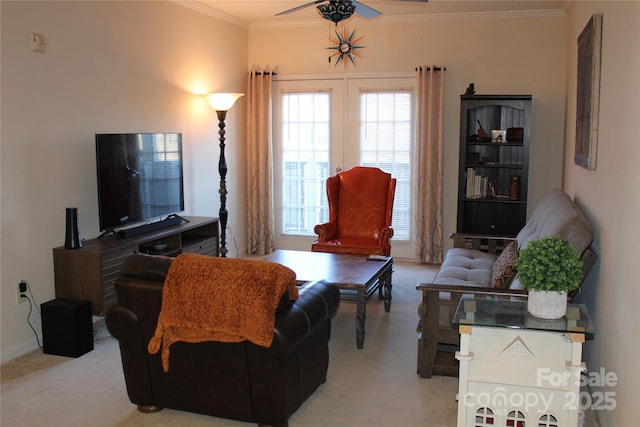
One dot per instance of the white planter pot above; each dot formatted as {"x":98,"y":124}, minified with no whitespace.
{"x":547,"y":304}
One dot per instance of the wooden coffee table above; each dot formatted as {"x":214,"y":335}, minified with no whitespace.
{"x":355,"y":276}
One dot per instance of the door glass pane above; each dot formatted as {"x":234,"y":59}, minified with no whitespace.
{"x":386,"y":136}
{"x":305,"y":161}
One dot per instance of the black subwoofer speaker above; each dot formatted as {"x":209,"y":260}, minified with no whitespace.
{"x":67,"y":327}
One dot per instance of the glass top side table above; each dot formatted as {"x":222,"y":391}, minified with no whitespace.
{"x":513,"y":314}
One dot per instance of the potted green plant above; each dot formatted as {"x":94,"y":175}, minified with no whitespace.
{"x":549,"y":267}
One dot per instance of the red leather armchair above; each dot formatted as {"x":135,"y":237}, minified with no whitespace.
{"x":360,"y":208}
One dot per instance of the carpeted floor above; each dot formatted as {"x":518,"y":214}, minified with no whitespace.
{"x":375,"y":386}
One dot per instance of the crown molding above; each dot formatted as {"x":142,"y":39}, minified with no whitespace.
{"x":205,"y":9}
{"x":466,"y":16}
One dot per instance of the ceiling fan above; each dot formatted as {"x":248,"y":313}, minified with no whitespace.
{"x":339,"y":10}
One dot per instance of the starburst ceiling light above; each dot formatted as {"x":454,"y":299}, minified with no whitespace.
{"x":345,"y":46}
{"x":336,"y":10}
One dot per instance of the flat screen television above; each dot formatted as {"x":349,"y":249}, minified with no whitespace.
{"x":139,"y":177}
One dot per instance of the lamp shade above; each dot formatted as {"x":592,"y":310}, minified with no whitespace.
{"x":223,"y":101}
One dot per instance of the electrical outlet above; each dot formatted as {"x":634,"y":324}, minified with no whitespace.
{"x":21,"y":289}
{"x":38,"y":43}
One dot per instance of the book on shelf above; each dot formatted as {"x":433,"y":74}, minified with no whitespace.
{"x":478,"y":186}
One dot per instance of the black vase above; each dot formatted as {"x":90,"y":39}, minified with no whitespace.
{"x":72,"y":236}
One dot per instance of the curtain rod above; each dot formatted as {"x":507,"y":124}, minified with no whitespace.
{"x":266,"y":73}
{"x":429,"y":68}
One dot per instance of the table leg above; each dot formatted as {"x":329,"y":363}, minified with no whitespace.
{"x":361,"y":313}
{"x":385,"y":286}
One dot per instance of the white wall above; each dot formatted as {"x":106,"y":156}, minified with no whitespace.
{"x":110,"y":67}
{"x":610,"y":195}
{"x":522,"y":54}
{"x":132,"y":66}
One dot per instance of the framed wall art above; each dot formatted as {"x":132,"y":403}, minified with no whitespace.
{"x":588,"y":93}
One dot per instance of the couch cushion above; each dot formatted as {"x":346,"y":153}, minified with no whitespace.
{"x":504,"y":267}
{"x":466,"y":267}
{"x":556,"y":214}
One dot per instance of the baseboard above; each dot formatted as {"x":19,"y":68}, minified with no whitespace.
{"x":19,"y":350}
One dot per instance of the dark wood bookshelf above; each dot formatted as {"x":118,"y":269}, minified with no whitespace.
{"x":486,"y":167}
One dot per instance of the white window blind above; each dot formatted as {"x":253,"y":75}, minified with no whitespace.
{"x":305,"y":160}
{"x":386,"y":142}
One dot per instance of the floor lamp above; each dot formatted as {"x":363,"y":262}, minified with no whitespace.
{"x":222,"y":102}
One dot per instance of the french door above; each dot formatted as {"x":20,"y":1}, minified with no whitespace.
{"x":322,"y":126}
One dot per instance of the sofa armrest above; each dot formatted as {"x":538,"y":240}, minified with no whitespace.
{"x":432,"y":302}
{"x":434,"y":308}
{"x":123,"y":325}
{"x":588,"y":258}
{"x":485,"y":243}
{"x":326,"y":231}
{"x":386,"y":235}
{"x":431,"y":287}
{"x":435,"y":327}
{"x":316,"y":305}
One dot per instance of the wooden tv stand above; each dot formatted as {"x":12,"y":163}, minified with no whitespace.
{"x":88,"y":273}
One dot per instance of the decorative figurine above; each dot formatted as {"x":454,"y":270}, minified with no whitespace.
{"x":482,"y":134}
{"x":471,"y":90}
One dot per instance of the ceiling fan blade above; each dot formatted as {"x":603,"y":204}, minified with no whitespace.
{"x":297,"y":8}
{"x":365,"y":11}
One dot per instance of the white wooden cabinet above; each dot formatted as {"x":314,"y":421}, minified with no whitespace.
{"x":518,"y":370}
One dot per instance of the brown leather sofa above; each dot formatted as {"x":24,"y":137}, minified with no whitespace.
{"x":360,"y":210}
{"x":240,"y":381}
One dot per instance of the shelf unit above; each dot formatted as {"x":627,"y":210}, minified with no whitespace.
{"x":88,"y":273}
{"x":490,"y":162}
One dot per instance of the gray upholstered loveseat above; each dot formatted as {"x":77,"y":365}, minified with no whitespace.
{"x":479,"y":265}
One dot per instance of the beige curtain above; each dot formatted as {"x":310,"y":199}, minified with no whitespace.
{"x":260,"y":218}
{"x":430,"y":143}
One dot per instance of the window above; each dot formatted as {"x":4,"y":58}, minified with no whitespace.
{"x":515,"y":419}
{"x":548,"y":420}
{"x":386,"y":136}
{"x":484,"y":417}
{"x":325,"y":125}
{"x":305,"y":161}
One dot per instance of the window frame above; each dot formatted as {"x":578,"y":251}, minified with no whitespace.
{"x":345,"y":142}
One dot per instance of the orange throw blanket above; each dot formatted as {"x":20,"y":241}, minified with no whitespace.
{"x":220,"y":299}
